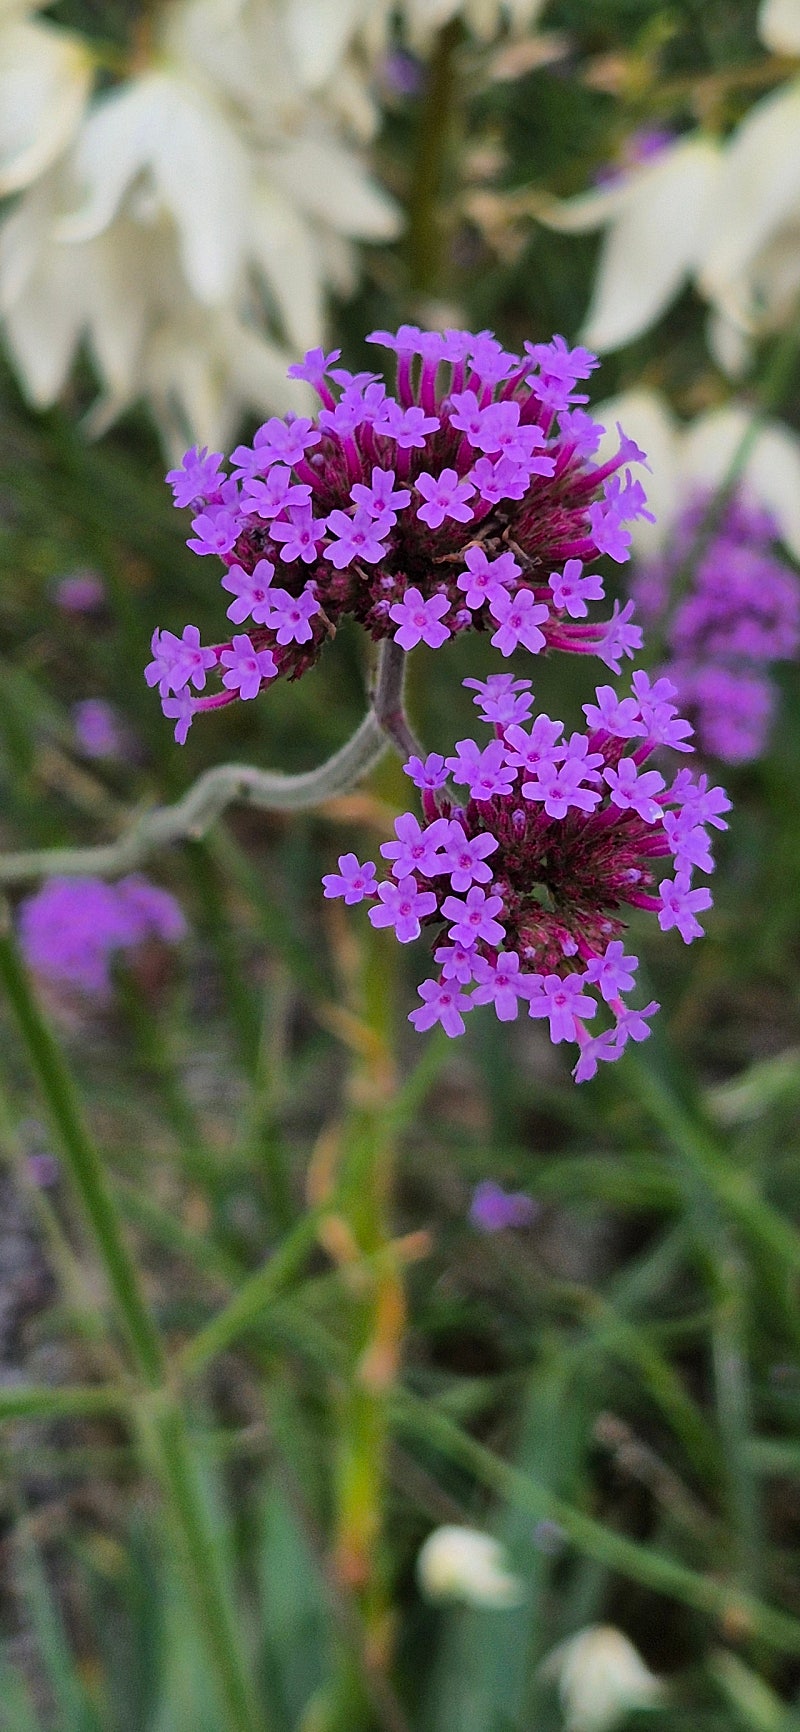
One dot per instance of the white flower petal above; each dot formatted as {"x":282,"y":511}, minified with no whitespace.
{"x":329,"y":181}
{"x":772,"y":470}
{"x":45,"y":75}
{"x":162,"y":124}
{"x":458,"y":1563}
{"x":779,"y":25}
{"x":757,"y":189}
{"x":601,"y":1676}
{"x":288,"y":255}
{"x":646,"y":416}
{"x":319,"y":33}
{"x":653,"y":245}
{"x":729,"y":344}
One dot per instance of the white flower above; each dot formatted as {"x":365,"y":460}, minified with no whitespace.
{"x":457,"y":1563}
{"x":750,"y":265}
{"x":699,"y":454}
{"x":600,"y":1677}
{"x":657,"y":221}
{"x":45,"y":77}
{"x":321,"y":32}
{"x":180,"y":219}
{"x":779,"y":25}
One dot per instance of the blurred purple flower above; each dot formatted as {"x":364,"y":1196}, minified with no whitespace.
{"x":80,"y":592}
{"x":98,"y":730}
{"x":492,"y":1209}
{"x":71,"y":929}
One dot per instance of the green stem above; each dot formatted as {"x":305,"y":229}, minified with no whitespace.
{"x":82,"y":1158}
{"x":34,"y":1401}
{"x":155,"y":1408}
{"x":425,"y":237}
{"x":246,"y":1308}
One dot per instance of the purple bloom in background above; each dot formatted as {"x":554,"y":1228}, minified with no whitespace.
{"x":80,"y":592}
{"x":99,"y":733}
{"x":71,"y":929}
{"x":465,"y":498}
{"x":492,"y":1209}
{"x":739,"y":616}
{"x":544,"y":869}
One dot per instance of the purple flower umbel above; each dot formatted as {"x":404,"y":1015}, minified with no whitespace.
{"x":468,"y":499}
{"x":559,"y":834}
{"x":739,"y":615}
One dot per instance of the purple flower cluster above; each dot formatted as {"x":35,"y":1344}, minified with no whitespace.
{"x":520,"y":887}
{"x":492,"y":1209}
{"x":740,"y":614}
{"x":468,"y":499}
{"x":71,"y":929}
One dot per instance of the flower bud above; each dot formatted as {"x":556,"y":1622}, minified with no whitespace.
{"x":458,"y":1563}
{"x":600,"y":1677}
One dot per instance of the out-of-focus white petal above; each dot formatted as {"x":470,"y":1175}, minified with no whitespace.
{"x":319,"y":33}
{"x":779,"y":25}
{"x":758,"y":188}
{"x":587,"y":210}
{"x":654,"y":243}
{"x":730,"y":345}
{"x":288,"y":255}
{"x":458,"y":1563}
{"x":772,"y":471}
{"x":199,"y":167}
{"x":45,"y":75}
{"x":646,"y":416}
{"x":326,"y":179}
{"x":601,"y":1677}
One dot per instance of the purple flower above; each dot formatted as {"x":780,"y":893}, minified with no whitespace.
{"x":502,"y":699}
{"x":314,"y":365}
{"x":81,"y":592}
{"x":71,"y":929}
{"x":620,"y":717}
{"x":442,"y":1003}
{"x":485,"y":578}
{"x":178,"y":661}
{"x":98,"y":730}
{"x":445,"y":495}
{"x":572,"y":591}
{"x":431,"y":774}
{"x":492,"y":1209}
{"x":473,"y":919}
{"x":246,"y":667}
{"x":300,"y":536}
{"x":633,"y":789}
{"x":251,"y":592}
{"x":541,"y":747}
{"x":359,"y":538}
{"x":620,"y":637}
{"x":215,"y":531}
{"x":466,"y":857}
{"x":420,"y":621}
{"x":561,"y":1000}
{"x":518,"y":618}
{"x":502,"y":984}
{"x":352,"y":881}
{"x":289,"y":615}
{"x":181,"y":710}
{"x":417,"y":849}
{"x":277,"y":493}
{"x":613,"y":973}
{"x":486,"y":772}
{"x":407,"y":427}
{"x":457,"y":962}
{"x":680,"y":904}
{"x":560,"y":786}
{"x":197,"y":478}
{"x":403,"y":906}
{"x":382,"y":496}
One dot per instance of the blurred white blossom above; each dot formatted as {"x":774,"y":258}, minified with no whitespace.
{"x":723,"y":214}
{"x":686,"y":456}
{"x":185,"y":224}
{"x":600,"y":1677}
{"x":321,"y":32}
{"x":457,"y":1563}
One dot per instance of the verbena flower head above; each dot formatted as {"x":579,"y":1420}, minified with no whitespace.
{"x":71,"y":929}
{"x":739,"y":614}
{"x":522,"y":889}
{"x":492,"y":1209}
{"x":467,"y":499}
